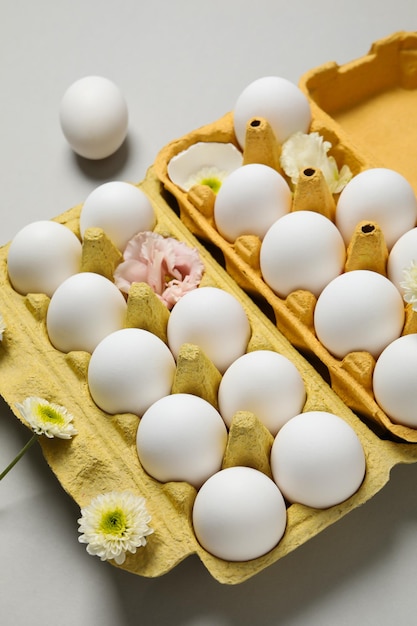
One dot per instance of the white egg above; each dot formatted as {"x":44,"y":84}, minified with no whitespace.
{"x":94,"y":117}
{"x":250,"y":200}
{"x":212,"y":319}
{"x":402,"y":255}
{"x":317,"y":460}
{"x":41,"y":256}
{"x":129,"y":370}
{"x":358,"y":311}
{"x":394,"y":380}
{"x":181,"y":437}
{"x":379,"y":195}
{"x":277,"y":100}
{"x":239,"y":514}
{"x":121,"y":209}
{"x":264,"y":383}
{"x":302,"y":250}
{"x":83,"y":310}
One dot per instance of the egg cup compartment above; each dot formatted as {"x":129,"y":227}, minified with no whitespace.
{"x":388,"y":75}
{"x":371,"y":102}
{"x":102,"y":457}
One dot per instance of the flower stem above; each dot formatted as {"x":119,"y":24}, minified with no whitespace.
{"x":25,"y":448}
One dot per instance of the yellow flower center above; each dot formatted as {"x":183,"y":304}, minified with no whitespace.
{"x":212,"y":182}
{"x":49,"y":414}
{"x":113,"y":522}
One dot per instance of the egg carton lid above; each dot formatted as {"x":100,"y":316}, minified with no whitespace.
{"x":370,"y":103}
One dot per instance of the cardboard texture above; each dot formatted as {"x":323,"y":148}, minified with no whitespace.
{"x":364,"y":110}
{"x":370,"y":103}
{"x":102,"y":456}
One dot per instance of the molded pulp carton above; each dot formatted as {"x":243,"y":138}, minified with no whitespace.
{"x":102,"y":456}
{"x":364,"y":110}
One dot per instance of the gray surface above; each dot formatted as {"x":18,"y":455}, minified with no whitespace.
{"x":180,"y":64}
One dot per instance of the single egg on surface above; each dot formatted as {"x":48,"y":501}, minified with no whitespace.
{"x":394,"y":380}
{"x":129,"y":370}
{"x":212,"y":319}
{"x":403,"y":254}
{"x":301,"y":250}
{"x":317,"y":460}
{"x":181,"y":437}
{"x":239,"y":514}
{"x":277,"y":100}
{"x":121,"y":209}
{"x":264,"y":383}
{"x":379,"y":195}
{"x":250,"y":200}
{"x":83,"y":310}
{"x":94,"y":117}
{"x":358,"y":311}
{"x":41,"y":256}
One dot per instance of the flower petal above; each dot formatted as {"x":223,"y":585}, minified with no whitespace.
{"x":303,"y":150}
{"x":409,"y":285}
{"x":114,"y":524}
{"x":170,"y":267}
{"x":47,"y":418}
{"x":218,"y":158}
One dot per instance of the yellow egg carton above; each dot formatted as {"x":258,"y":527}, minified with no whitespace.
{"x":102,"y":456}
{"x":364,"y":110}
{"x":370,"y":103}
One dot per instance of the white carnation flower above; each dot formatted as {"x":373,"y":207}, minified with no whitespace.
{"x":409,"y":285}
{"x":302,"y":151}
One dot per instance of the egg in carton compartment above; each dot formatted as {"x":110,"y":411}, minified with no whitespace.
{"x":344,"y":102}
{"x":102,"y":457}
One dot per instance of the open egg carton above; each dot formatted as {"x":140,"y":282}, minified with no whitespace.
{"x":364,"y":110}
{"x":102,"y":457}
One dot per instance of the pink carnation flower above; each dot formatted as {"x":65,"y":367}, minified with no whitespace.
{"x":168,"y":266}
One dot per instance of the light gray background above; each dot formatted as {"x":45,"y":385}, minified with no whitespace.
{"x":180,"y":64}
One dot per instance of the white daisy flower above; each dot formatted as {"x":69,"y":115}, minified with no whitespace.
{"x":303,"y":151}
{"x":47,"y":418}
{"x":113,"y":524}
{"x":204,"y":163}
{"x":409,"y":285}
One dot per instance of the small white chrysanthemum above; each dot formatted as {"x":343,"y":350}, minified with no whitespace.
{"x":210,"y":176}
{"x":204,"y":163}
{"x":113,"y":524}
{"x":409,"y":285}
{"x":47,"y":418}
{"x":2,"y":327}
{"x":302,"y":151}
